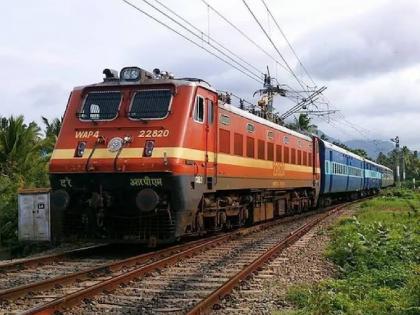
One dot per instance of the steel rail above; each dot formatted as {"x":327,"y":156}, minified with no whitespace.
{"x":217,"y":295}
{"x":87,"y":273}
{"x":72,"y":299}
{"x":36,"y":261}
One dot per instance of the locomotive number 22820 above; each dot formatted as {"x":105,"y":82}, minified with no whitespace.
{"x":156,"y":133}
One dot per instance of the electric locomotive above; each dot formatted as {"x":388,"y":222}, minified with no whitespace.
{"x":151,"y":158}
{"x":147,"y":157}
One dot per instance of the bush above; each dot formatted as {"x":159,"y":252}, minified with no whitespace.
{"x":8,"y":210}
{"x":378,"y":254}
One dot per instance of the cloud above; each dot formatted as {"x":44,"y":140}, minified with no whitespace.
{"x":379,"y":41}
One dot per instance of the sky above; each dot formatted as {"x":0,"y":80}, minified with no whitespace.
{"x":367,"y":54}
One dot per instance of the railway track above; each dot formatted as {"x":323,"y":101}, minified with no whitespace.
{"x":188,"y":277}
{"x":37,"y":268}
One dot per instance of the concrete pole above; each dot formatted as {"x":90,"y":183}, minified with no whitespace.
{"x":397,"y":161}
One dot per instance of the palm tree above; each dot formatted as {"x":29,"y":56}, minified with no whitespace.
{"x":19,"y":147}
{"x":52,"y":129}
{"x":303,"y":123}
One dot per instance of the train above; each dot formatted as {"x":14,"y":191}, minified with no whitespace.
{"x":147,"y":157}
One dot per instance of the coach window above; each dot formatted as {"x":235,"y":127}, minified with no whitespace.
{"x":299,"y":159}
{"x":199,"y":109}
{"x":310,"y":159}
{"x":305,"y":158}
{"x":210,"y":115}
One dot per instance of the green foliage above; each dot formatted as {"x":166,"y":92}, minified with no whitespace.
{"x":378,"y":255}
{"x":302,"y":123}
{"x":411,"y":163}
{"x":24,"y":154}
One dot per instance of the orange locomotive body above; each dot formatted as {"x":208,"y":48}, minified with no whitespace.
{"x":151,"y":158}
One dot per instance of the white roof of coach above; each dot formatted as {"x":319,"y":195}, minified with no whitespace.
{"x":262,"y":121}
{"x":344,"y":151}
{"x":341,"y":150}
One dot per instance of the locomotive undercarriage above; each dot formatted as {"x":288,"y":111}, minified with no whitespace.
{"x":160,"y":208}
{"x":231,"y":209}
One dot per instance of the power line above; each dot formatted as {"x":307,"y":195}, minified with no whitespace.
{"x":244,"y":34}
{"x":273,"y":44}
{"x":208,"y":43}
{"x":190,"y":40}
{"x":208,"y":36}
{"x":287,"y":41}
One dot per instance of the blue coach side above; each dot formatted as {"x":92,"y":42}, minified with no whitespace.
{"x":373,"y":176}
{"x":341,"y":171}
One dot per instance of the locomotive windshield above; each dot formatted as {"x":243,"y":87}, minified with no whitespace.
{"x":100,"y":106}
{"x":150,"y":104}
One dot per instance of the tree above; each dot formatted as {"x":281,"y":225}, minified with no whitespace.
{"x":302,"y":123}
{"x":19,"y":146}
{"x":52,"y":130}
{"x":23,"y":164}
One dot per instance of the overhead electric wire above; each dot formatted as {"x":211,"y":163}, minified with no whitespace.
{"x":257,"y":75}
{"x":190,"y":40}
{"x":244,"y":35}
{"x":273,"y":44}
{"x":287,"y":41}
{"x":208,"y":36}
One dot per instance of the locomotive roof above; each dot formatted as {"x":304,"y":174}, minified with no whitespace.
{"x":262,"y":121}
{"x":176,"y":82}
{"x":344,"y":151}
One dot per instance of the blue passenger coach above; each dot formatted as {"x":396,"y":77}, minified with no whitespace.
{"x":341,"y":170}
{"x":345,"y":175}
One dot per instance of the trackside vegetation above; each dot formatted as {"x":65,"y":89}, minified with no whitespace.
{"x":25,"y":150}
{"x":377,"y":254}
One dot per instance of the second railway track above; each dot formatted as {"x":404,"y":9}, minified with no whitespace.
{"x":190,"y":277}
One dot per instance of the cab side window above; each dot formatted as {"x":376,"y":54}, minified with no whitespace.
{"x":210,"y":112}
{"x":199,"y":109}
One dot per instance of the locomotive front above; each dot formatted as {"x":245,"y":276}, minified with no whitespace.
{"x":116,"y":171}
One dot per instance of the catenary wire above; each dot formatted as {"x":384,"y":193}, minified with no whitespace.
{"x":257,"y":75}
{"x":244,"y":35}
{"x":208,"y":36}
{"x":273,"y":44}
{"x":287,"y":41}
{"x":190,"y":40}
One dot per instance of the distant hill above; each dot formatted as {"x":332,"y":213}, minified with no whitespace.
{"x":372,"y":147}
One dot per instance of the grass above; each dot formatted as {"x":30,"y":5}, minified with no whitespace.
{"x":378,"y":255}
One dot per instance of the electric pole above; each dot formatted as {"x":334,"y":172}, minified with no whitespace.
{"x":396,"y":140}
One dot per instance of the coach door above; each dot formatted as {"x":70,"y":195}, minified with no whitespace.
{"x":211,"y":141}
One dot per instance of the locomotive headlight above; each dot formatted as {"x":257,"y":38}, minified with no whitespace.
{"x":130,"y":74}
{"x":80,"y":149}
{"x":148,"y":148}
{"x":147,"y":200}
